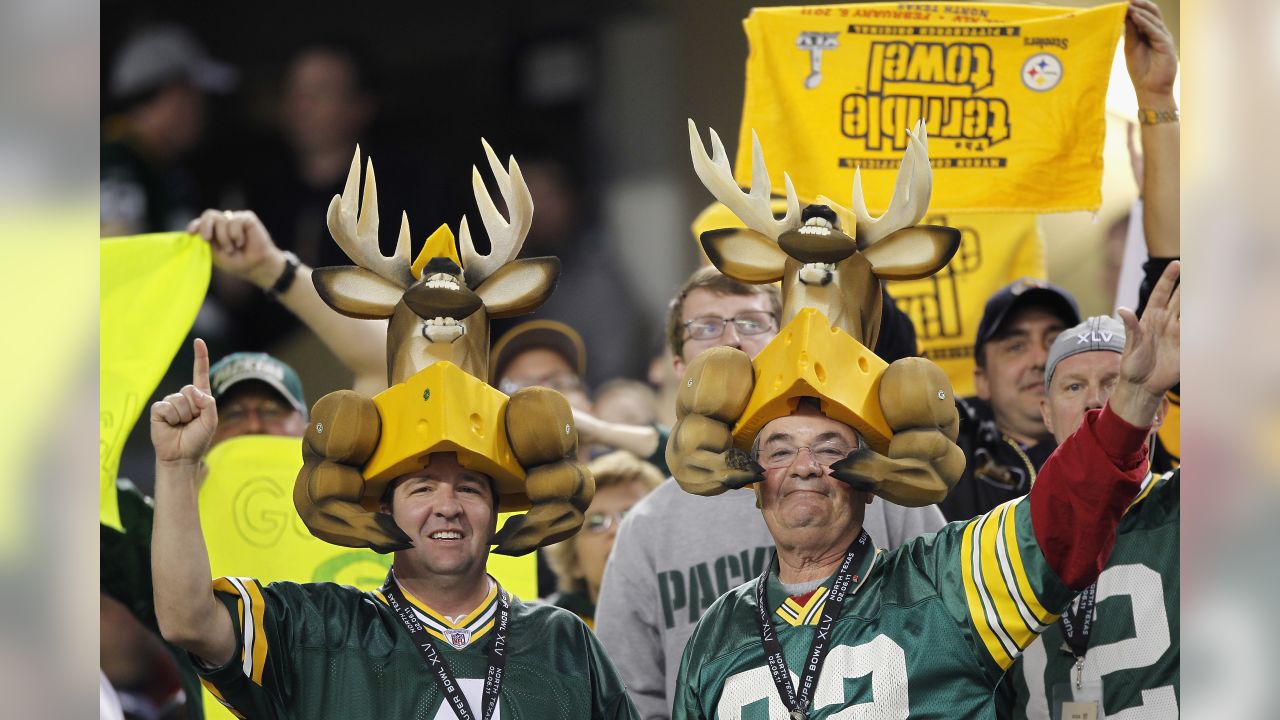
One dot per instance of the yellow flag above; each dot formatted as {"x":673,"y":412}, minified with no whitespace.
{"x":995,"y":250}
{"x":252,"y":529}
{"x":152,"y":287}
{"x":1012,"y":97}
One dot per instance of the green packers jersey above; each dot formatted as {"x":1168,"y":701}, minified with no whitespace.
{"x":926,"y":631}
{"x":1133,"y":645}
{"x":321,"y":650}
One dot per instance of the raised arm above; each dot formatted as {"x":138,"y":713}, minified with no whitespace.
{"x":1085,"y":486}
{"x":242,"y":247}
{"x":189,"y":616}
{"x":1153,"y":64}
{"x":639,"y":440}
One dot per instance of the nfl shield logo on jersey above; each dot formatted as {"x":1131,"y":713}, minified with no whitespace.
{"x":459,"y":639}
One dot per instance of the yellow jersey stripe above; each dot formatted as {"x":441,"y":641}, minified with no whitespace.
{"x":1025,"y":591}
{"x":1005,"y":620}
{"x":234,"y":586}
{"x":259,"y":622}
{"x":1148,"y":485}
{"x":218,"y":696}
{"x":1009,"y":581}
{"x":795,"y":614}
{"x":484,"y":605}
{"x":969,"y":566}
{"x":789,"y":616}
{"x":252,"y":614}
{"x":1014,"y":615}
{"x":478,"y":621}
{"x":483,"y":629}
{"x":471,"y":617}
{"x":476,"y":635}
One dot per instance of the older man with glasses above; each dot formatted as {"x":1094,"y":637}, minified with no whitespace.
{"x":833,"y":627}
{"x":675,"y":552}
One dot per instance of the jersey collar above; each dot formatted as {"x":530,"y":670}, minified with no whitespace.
{"x":456,"y":635}
{"x":809,"y":612}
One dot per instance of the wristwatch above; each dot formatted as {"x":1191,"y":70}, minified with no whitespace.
{"x":287,"y":275}
{"x":1155,"y":117}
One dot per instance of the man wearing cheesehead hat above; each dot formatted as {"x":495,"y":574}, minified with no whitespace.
{"x":1124,"y":655}
{"x":834,"y":626}
{"x":420,"y":470}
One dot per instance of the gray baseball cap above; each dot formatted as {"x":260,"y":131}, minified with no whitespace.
{"x":1100,"y":332}
{"x":161,"y":54}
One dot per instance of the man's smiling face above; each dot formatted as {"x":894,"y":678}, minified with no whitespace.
{"x":448,"y":511}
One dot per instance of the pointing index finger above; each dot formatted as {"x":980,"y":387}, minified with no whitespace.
{"x":200,"y":372}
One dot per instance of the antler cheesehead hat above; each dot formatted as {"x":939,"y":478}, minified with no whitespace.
{"x":438,"y":310}
{"x":831,"y":317}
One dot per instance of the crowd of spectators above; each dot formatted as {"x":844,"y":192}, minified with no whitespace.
{"x":673,"y":554}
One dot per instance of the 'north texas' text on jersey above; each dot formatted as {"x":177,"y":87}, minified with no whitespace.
{"x":927,"y":631}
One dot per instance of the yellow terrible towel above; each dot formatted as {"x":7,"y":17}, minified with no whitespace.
{"x":1012,"y":97}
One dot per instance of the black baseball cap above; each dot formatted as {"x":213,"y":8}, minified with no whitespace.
{"x":1020,"y":293}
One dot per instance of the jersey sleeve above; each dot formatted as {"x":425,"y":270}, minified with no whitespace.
{"x":1007,"y":591}
{"x":252,"y":683}
{"x":1007,"y":574}
{"x":1083,"y":491}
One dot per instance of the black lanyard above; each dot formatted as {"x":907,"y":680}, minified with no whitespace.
{"x":1077,"y":626}
{"x":439,"y":668}
{"x":798,"y":703}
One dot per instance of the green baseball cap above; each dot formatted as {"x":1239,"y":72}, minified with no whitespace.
{"x":242,"y":366}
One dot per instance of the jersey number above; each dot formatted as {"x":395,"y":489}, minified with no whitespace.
{"x":882,"y":659}
{"x":1151,"y":640}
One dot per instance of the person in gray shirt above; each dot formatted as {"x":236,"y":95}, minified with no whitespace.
{"x":675,"y":552}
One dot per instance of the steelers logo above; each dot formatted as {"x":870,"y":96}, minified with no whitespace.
{"x":1042,"y":72}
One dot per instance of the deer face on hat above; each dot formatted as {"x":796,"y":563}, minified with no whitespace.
{"x":831,"y":314}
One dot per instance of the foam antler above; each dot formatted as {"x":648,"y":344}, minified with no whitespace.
{"x":911,"y":193}
{"x":505,"y":238}
{"x":752,"y":208}
{"x":355,"y":228}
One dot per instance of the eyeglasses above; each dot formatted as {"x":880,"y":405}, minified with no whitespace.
{"x":600,"y":522}
{"x":710,"y":327}
{"x":780,"y":455}
{"x":560,"y":382}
